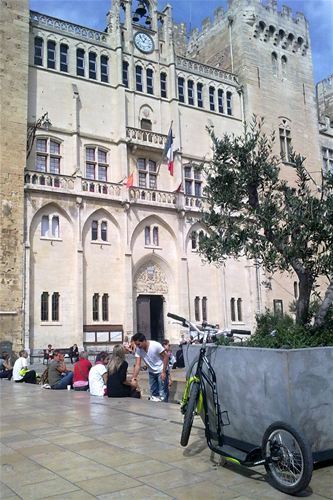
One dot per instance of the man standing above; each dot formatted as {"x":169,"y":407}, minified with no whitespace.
{"x":156,"y":359}
{"x":58,"y":375}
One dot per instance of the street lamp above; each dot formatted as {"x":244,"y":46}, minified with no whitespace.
{"x":42,"y":122}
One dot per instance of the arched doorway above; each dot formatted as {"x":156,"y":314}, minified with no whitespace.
{"x":151,"y":287}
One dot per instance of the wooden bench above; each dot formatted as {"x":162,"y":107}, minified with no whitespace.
{"x":42,"y":354}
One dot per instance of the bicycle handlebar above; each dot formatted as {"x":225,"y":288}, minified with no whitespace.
{"x":185,"y":322}
{"x":178,"y":318}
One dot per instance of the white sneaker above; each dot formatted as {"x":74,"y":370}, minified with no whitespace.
{"x":155,"y":398}
{"x":46,"y":386}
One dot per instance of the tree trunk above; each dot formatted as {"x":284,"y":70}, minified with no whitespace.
{"x":325,"y":305}
{"x":303,"y":302}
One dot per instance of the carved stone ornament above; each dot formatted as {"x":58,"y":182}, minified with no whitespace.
{"x":150,"y":279}
{"x":146,"y":112}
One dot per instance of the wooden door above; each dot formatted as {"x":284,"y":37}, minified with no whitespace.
{"x":143,"y":315}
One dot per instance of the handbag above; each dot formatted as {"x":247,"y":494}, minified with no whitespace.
{"x":23,"y":371}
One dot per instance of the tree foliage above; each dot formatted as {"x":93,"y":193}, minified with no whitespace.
{"x":253,"y":212}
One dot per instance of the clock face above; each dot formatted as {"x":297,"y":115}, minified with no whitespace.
{"x":144,"y":42}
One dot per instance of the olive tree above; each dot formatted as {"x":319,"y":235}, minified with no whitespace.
{"x":252,"y":211}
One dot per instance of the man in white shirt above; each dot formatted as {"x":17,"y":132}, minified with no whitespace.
{"x":98,"y":375}
{"x":21,"y":373}
{"x":157,"y":360}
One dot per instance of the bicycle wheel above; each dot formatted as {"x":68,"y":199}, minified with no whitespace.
{"x":288,"y":457}
{"x":189,"y":414}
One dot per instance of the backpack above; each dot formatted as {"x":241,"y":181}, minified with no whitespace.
{"x":180,"y":358}
{"x":44,"y":378}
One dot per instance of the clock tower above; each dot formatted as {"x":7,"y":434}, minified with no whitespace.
{"x":140,"y":29}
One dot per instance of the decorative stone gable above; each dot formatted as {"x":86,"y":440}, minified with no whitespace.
{"x":151,"y":280}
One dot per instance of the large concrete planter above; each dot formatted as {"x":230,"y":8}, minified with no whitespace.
{"x":259,"y":386}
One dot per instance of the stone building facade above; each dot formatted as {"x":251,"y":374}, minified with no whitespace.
{"x":111,"y":237}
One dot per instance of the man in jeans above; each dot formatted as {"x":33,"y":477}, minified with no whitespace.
{"x":156,"y":359}
{"x":58,"y":375}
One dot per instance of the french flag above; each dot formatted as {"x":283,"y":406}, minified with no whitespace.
{"x":168,"y":151}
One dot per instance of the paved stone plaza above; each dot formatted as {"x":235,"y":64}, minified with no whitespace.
{"x":70,"y":445}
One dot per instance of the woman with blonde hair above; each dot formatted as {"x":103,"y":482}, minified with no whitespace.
{"x":118,"y":385}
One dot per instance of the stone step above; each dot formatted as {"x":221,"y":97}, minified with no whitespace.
{"x":176,"y":390}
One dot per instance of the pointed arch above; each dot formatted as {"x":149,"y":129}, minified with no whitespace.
{"x":47,"y":209}
{"x":150,"y":220}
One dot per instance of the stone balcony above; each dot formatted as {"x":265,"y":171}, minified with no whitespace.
{"x":90,"y":188}
{"x":141,"y":137}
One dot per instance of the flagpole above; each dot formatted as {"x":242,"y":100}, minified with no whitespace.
{"x":160,"y":162}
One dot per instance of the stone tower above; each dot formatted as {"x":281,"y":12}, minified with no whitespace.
{"x":14,"y":101}
{"x":325,"y":99}
{"x":270,"y":53}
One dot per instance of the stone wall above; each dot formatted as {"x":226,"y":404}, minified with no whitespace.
{"x":13,"y":99}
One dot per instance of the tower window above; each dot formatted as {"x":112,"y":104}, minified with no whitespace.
{"x":104,"y":68}
{"x":193,"y":181}
{"x":105,"y":307}
{"x":197,"y":308}
{"x":92,"y":65}
{"x":274,"y":63}
{"x":80,"y":62}
{"x":146,"y":124}
{"x":284,"y":66}
{"x":147,"y":173}
{"x":47,"y":156}
{"x":94,"y":230}
{"x":220,"y":98}
{"x":212,"y":98}
{"x":327,"y":160}
{"x":204,"y":308}
{"x":104,"y":231}
{"x":125,"y":73}
{"x":138,"y":78}
{"x":236,"y":311}
{"x":63,"y":57}
{"x":181,"y":95}
{"x":278,"y":307}
{"x":147,"y":235}
{"x":95,"y":307}
{"x":96,"y":164}
{"x":51,"y":57}
{"x":151,"y":236}
{"x":232,"y":309}
{"x":50,"y":226}
{"x":155,"y":236}
{"x":44,"y":306}
{"x":285,"y":144}
{"x":194,"y":240}
{"x":45,"y":226}
{"x":99,"y":231}
{"x":150,"y":84}
{"x":164,"y":85}
{"x":55,"y":226}
{"x":239,"y":310}
{"x":199,"y":95}
{"x":38,"y":56}
{"x":229,"y":103}
{"x":55,"y":306}
{"x":190,"y":93}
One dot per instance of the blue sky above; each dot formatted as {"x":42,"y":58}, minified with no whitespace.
{"x":319,"y":13}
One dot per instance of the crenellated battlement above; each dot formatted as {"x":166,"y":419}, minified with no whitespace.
{"x":282,"y":29}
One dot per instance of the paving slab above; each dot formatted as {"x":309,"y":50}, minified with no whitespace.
{"x":71,"y":445}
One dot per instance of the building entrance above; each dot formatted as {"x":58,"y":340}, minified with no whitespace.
{"x":149,"y":313}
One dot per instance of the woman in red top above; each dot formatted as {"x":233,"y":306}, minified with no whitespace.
{"x":81,"y":372}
